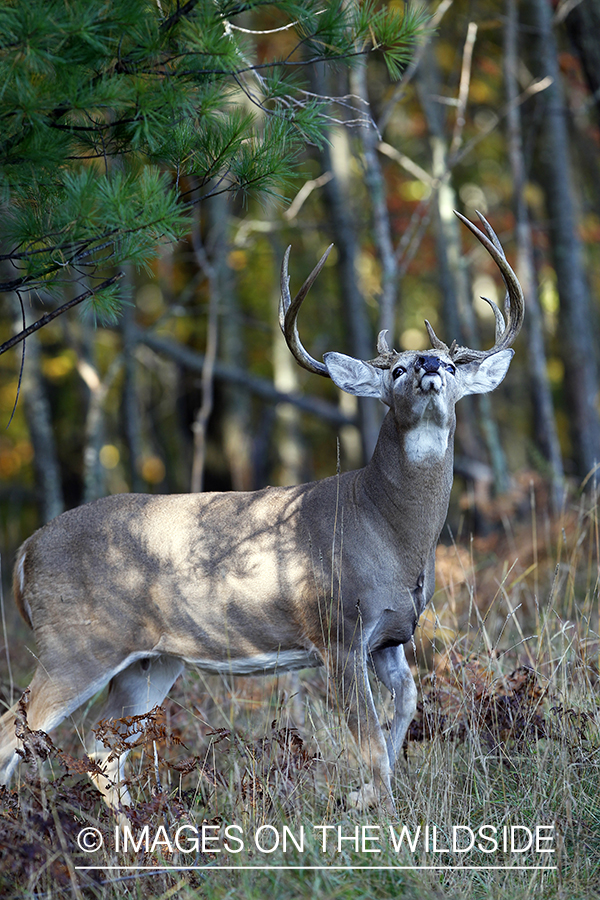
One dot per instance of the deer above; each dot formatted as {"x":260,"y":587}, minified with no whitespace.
{"x":129,"y":589}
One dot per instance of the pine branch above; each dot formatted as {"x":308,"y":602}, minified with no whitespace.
{"x":22,"y":335}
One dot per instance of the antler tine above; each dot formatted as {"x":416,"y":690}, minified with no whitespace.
{"x":382,"y":344}
{"x":385,"y":357}
{"x":514,"y":301}
{"x":500,"y":320}
{"x":435,"y":341}
{"x":490,"y":232}
{"x":288,"y":314}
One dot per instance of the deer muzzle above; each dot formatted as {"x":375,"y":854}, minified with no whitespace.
{"x":428,"y":369}
{"x":431,"y":383}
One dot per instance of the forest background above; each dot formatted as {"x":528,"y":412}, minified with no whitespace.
{"x":186,"y":386}
{"x":156,"y":161}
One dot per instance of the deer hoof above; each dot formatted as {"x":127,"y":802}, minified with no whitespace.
{"x":368,"y":796}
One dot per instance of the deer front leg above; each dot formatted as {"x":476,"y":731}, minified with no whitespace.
{"x":355,"y":700}
{"x":393,"y":670}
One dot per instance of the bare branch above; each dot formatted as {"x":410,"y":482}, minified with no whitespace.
{"x":304,"y":193}
{"x":463,"y":90}
{"x":407,"y":163}
{"x":14,"y":409}
{"x":262,"y":388}
{"x":535,"y":87}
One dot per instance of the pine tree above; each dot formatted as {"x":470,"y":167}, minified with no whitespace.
{"x":116,"y":118}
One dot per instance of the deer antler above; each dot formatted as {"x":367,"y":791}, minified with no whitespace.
{"x":386,"y":357}
{"x":514,"y":308}
{"x":514,"y":305}
{"x":288,"y":314}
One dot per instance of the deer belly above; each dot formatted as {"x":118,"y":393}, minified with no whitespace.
{"x":259,"y":664}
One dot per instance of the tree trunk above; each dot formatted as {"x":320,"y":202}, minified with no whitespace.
{"x":207,"y":260}
{"x":458,"y":315}
{"x":39,"y":421}
{"x":376,"y":188}
{"x":236,"y":418}
{"x":130,"y":407}
{"x":94,"y":473}
{"x":335,"y":158}
{"x":341,"y":216}
{"x":583,"y":27}
{"x":546,"y":434}
{"x":576,"y":322}
{"x":290,"y":450}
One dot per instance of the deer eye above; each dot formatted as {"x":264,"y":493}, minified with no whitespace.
{"x":398,"y":371}
{"x":451,"y":368}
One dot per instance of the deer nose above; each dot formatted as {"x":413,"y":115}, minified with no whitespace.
{"x":429,"y":370}
{"x":429,"y":363}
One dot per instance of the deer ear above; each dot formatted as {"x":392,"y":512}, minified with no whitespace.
{"x":479,"y":378}
{"x":354,"y":376}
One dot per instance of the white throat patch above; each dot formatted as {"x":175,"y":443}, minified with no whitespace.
{"x":426,"y":443}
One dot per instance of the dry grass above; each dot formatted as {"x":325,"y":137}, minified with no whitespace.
{"x":507,"y":733}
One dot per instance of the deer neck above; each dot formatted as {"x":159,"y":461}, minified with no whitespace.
{"x":410,"y":475}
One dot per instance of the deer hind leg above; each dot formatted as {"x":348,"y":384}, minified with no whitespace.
{"x":356,"y":699}
{"x":8,"y":745}
{"x":51,"y":699}
{"x":391,"y":667}
{"x":133,"y":692}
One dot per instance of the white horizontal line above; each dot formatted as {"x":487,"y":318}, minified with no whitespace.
{"x":312,"y":868}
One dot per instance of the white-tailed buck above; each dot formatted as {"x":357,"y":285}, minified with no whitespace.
{"x":127,"y":590}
